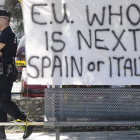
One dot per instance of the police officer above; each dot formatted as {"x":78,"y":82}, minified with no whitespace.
{"x":8,"y":49}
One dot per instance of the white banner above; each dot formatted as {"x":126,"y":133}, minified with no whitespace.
{"x":82,"y":42}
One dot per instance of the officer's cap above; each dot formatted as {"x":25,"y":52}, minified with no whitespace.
{"x":4,"y":13}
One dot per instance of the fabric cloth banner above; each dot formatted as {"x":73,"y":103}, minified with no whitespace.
{"x":82,"y":42}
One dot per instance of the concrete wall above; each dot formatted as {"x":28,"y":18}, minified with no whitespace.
{"x":35,"y":107}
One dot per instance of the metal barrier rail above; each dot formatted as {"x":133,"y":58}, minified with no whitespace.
{"x":20,"y":123}
{"x":92,"y":107}
{"x":26,"y":93}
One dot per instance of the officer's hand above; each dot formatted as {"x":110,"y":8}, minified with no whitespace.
{"x":0,"y":53}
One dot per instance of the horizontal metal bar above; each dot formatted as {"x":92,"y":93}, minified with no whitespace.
{"x":115,"y":123}
{"x":20,"y":123}
{"x":26,"y":93}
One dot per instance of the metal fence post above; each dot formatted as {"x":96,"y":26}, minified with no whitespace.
{"x":57,"y":134}
{"x":56,"y":109}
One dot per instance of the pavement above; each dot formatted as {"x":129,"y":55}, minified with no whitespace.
{"x":107,"y":135}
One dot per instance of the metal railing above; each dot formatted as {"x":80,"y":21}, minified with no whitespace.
{"x":92,"y":107}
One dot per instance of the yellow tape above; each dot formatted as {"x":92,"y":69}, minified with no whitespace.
{"x":18,"y":120}
{"x":20,"y":63}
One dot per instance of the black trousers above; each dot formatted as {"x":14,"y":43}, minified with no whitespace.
{"x":9,"y":107}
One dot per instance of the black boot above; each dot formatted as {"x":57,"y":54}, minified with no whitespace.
{"x":2,"y":132}
{"x":28,"y":130}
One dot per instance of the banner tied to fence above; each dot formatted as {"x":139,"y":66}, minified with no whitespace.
{"x":92,"y":42}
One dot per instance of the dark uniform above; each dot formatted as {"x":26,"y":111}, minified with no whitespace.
{"x":8,"y":52}
{"x":6,"y":105}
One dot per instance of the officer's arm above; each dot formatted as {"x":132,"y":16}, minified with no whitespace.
{"x":2,"y":45}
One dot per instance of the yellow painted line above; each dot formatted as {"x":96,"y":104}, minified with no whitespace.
{"x":20,"y":63}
